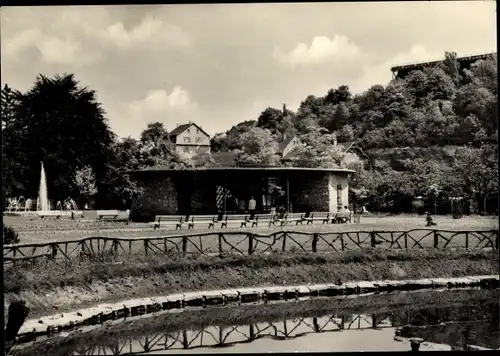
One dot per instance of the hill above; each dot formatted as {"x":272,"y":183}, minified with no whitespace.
{"x":427,"y":129}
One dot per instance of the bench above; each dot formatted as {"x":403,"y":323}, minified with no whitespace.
{"x":167,"y":220}
{"x":318,"y":216}
{"x":342,"y":217}
{"x":262,"y":218}
{"x":113,"y":215}
{"x":290,"y":217}
{"x":50,"y":214}
{"x":240,"y":219}
{"x":201,"y":219}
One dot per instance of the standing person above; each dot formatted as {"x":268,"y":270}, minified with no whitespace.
{"x":251,"y":207}
{"x":346,"y":209}
{"x":242,"y":205}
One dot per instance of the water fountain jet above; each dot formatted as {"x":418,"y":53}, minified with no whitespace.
{"x":42,"y":192}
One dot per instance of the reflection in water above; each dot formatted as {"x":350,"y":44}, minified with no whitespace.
{"x":447,"y":327}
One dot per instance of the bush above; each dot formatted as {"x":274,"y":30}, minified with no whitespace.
{"x":10,"y":236}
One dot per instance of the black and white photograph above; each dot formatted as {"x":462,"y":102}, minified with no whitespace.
{"x":216,"y":178}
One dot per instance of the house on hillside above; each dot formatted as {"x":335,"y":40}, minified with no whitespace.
{"x":287,"y":144}
{"x":356,"y":152}
{"x":190,"y":139}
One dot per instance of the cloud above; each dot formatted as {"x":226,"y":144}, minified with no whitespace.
{"x":81,"y":36}
{"x":149,"y":33}
{"x":322,"y":49}
{"x":160,"y":101}
{"x":52,"y":49}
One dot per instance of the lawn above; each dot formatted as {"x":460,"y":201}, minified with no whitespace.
{"x":267,"y":239}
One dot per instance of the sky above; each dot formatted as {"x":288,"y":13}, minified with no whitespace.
{"x":218,"y":65}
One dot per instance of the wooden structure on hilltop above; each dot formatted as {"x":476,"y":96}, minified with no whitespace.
{"x":401,"y":71}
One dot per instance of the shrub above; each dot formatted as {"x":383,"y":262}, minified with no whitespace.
{"x":10,"y":235}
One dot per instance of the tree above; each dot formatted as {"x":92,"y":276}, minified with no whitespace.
{"x":259,"y":148}
{"x":155,"y":137}
{"x":58,"y":122}
{"x":272,"y":119}
{"x":479,"y":168}
{"x":339,"y":118}
{"x":317,"y":150}
{"x":85,"y":181}
{"x":451,"y":66}
{"x":346,"y":134}
{"x":337,"y":96}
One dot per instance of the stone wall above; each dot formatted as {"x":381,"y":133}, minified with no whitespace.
{"x":318,"y":191}
{"x":309,"y":190}
{"x":159,"y":196}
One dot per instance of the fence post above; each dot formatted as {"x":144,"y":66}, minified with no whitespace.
{"x":436,"y":239}
{"x":184,"y":244}
{"x":283,"y":246}
{"x":466,"y":240}
{"x":220,"y":243}
{"x":373,"y":242}
{"x":342,"y":246}
{"x":250,"y":243}
{"x":315,"y":242}
{"x":406,"y":240}
{"x":54,"y":251}
{"x":146,"y":248}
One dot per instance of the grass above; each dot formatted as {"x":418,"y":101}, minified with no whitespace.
{"x":399,"y":305}
{"x":60,"y":286}
{"x":37,"y":230}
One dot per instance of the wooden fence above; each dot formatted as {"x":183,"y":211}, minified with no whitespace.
{"x":249,"y":243}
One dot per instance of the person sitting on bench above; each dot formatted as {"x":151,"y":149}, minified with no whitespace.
{"x":429,"y":220}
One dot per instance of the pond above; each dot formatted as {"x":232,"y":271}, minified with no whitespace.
{"x":443,"y":320}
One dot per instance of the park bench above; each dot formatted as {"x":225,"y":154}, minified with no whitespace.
{"x":239,"y":219}
{"x":113,"y":215}
{"x":262,"y":219}
{"x":342,"y":217}
{"x":318,"y":216}
{"x":201,"y":219}
{"x":174,"y":220}
{"x":289,"y":218}
{"x":50,"y":214}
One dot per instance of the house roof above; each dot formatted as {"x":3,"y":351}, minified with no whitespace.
{"x":181,"y":128}
{"x":283,"y":144}
{"x":348,"y":145}
{"x":282,"y":169}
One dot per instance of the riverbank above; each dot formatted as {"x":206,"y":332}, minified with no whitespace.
{"x":57,"y":287}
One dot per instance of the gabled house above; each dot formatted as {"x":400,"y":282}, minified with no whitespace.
{"x":357,"y":152}
{"x":287,"y":145}
{"x":190,"y":139}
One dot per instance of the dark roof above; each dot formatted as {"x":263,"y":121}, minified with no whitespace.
{"x":336,"y":170}
{"x":285,"y":142}
{"x":181,"y":128}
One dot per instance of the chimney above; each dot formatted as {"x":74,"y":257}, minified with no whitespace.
{"x":335,"y":139}
{"x":176,"y":125}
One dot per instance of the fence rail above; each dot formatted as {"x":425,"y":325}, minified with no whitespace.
{"x":249,"y":243}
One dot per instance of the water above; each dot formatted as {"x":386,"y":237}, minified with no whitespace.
{"x":42,"y":192}
{"x":369,"y":323}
